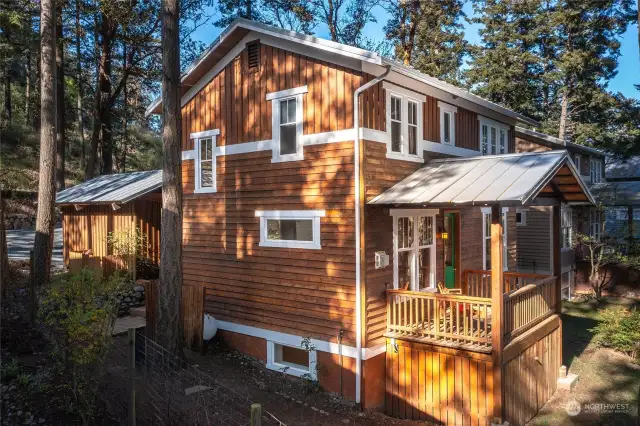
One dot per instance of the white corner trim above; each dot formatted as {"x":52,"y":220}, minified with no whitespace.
{"x":189,"y":155}
{"x":404,"y":92}
{"x":204,"y":134}
{"x":447,"y":107}
{"x":448,"y":149}
{"x":286,"y":93}
{"x":286,"y":214}
{"x":296,"y":341}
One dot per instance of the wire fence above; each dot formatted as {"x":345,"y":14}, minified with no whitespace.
{"x":143,"y":384}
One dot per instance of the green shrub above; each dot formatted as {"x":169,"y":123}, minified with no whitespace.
{"x":619,"y":329}
{"x":78,"y":312}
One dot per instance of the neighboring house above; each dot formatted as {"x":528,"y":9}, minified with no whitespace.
{"x":125,"y":206}
{"x":534,"y":224}
{"x":335,"y":195}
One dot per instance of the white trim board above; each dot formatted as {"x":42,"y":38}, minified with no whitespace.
{"x":296,"y":341}
{"x":286,"y":93}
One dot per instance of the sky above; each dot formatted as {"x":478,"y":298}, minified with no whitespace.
{"x":628,"y":63}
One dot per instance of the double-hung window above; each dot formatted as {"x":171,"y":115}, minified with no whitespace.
{"x":566,"y":228}
{"x":494,"y":137}
{"x":596,"y":170}
{"x":595,"y":224}
{"x":286,"y":123}
{"x":290,"y":228}
{"x":486,"y":238}
{"x":404,"y":123}
{"x":205,"y":159}
{"x":447,"y":123}
{"x":577,"y":160}
{"x":414,"y":249}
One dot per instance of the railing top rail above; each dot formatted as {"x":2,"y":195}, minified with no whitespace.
{"x":439,"y":296}
{"x":529,"y":287}
{"x":508,"y":274}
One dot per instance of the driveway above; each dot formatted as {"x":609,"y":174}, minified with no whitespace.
{"x":20,"y":242}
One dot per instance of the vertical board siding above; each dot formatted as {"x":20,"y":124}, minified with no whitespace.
{"x":467,"y":130}
{"x":234,"y":101}
{"x":531,"y":378}
{"x":301,"y":292}
{"x":526,"y":145}
{"x":426,"y":385}
{"x":89,"y":227}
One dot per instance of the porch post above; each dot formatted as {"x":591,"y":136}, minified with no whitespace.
{"x":557,"y":257}
{"x":497,"y":306}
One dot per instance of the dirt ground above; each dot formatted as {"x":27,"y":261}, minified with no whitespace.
{"x":606,"y":376}
{"x":291,"y":400}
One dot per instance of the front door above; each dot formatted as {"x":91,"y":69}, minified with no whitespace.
{"x":449,"y":239}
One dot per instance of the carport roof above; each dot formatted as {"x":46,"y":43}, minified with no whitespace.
{"x":115,"y":188}
{"x":509,"y":179}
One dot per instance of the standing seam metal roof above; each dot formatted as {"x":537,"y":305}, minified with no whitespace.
{"x":508,"y":178}
{"x":115,"y":188}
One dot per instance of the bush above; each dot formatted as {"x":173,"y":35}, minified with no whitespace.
{"x":79,"y":312}
{"x":619,"y":330}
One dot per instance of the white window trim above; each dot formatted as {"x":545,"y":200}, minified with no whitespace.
{"x":199,"y":136}
{"x":452,"y":110}
{"x":396,"y":213}
{"x":405,"y":96}
{"x":290,"y":369}
{"x":314,"y":215}
{"x":595,"y":170}
{"x":577,"y":161}
{"x":523,"y":217}
{"x":595,"y":218}
{"x":296,"y":93}
{"x":484,"y":121}
{"x":562,"y":210}
{"x":505,"y":245}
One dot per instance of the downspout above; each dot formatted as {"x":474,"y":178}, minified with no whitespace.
{"x":356,"y":155}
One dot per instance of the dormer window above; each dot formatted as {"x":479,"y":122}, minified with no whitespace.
{"x":286,"y":124}
{"x":447,"y":123}
{"x":404,"y":122}
{"x":494,"y":137}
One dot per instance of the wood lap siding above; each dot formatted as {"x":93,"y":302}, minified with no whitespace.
{"x":234,"y":101}
{"x":301,"y":292}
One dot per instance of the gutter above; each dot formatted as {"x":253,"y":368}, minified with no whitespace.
{"x":356,"y":157}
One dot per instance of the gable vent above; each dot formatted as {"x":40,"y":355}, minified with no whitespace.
{"x":254,"y":56}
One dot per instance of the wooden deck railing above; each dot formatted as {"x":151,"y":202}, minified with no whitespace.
{"x":449,"y":320}
{"x":528,"y":305}
{"x":478,"y":283}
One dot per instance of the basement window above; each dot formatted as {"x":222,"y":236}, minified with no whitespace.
{"x":290,"y":228}
{"x":293,"y":360}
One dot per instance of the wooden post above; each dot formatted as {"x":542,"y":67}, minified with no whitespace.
{"x":256,"y":415}
{"x":132,"y":377}
{"x":497,"y":307}
{"x":32,"y":290}
{"x":557,"y":257}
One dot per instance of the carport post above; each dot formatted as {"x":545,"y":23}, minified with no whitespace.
{"x":497,"y":306}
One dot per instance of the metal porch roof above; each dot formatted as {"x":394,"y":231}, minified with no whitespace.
{"x":115,"y":188}
{"x":510,"y":179}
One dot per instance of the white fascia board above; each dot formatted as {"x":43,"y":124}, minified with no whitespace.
{"x":286,"y":93}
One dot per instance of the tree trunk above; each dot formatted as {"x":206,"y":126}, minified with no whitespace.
{"x":564,"y":107}
{"x":79,"y":83}
{"x":168,"y":329}
{"x":107,"y":31}
{"x":125,"y":117}
{"x":46,"y":187}
{"x":27,"y":86}
{"x":7,"y":113}
{"x":60,"y":121}
{"x":4,"y":255}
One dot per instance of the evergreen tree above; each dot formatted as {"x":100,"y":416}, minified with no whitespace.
{"x":295,"y":15}
{"x":428,"y":35}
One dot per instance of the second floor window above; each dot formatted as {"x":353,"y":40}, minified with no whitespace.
{"x":577,"y":160}
{"x":204,"y":148}
{"x":447,"y":123}
{"x":404,"y":123}
{"x":396,"y":124}
{"x":596,"y":171}
{"x":286,"y":123}
{"x":494,"y":137}
{"x":412,"y":130}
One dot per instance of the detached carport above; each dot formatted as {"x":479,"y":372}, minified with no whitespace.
{"x":118,"y":204}
{"x":524,"y":331}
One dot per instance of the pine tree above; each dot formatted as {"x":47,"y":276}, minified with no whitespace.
{"x":294,"y":15}
{"x":428,"y":35}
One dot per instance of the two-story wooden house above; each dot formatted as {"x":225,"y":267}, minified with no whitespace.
{"x":336,"y":195}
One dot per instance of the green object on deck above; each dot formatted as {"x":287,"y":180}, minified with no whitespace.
{"x":449,"y":239}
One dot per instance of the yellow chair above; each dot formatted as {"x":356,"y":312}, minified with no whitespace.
{"x":444,"y":290}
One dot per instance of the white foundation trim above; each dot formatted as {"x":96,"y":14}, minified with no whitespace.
{"x":296,"y":341}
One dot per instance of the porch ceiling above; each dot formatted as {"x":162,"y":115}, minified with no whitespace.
{"x":509,"y":179}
